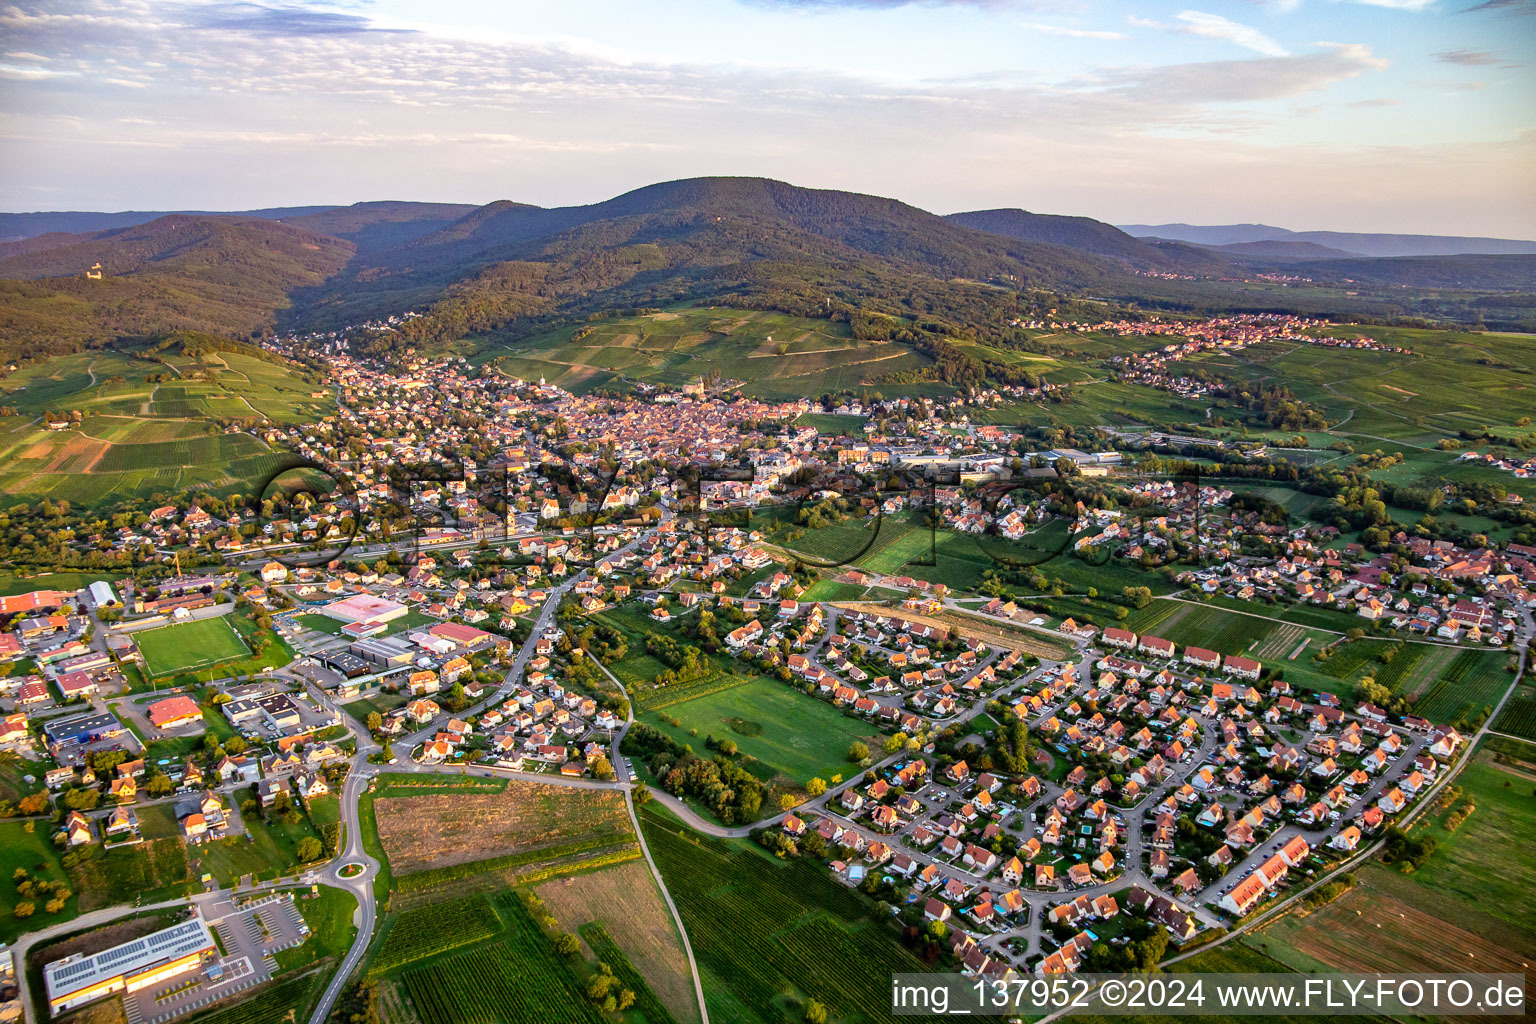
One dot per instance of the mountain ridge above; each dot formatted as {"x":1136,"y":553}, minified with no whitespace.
{"x":1379,"y":244}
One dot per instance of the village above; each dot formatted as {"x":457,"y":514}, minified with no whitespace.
{"x":440,"y":620}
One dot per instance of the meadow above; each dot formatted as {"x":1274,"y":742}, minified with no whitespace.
{"x":187,"y":646}
{"x":620,"y":914}
{"x":786,"y":731}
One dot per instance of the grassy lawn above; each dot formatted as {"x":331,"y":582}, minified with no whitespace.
{"x":409,"y":621}
{"x":35,"y":852}
{"x":1488,"y":862}
{"x":188,"y":646}
{"x":325,"y":810}
{"x":267,"y":851}
{"x":832,"y":590}
{"x":329,"y":916}
{"x":319,"y":623}
{"x":380,"y":702}
{"x":13,"y":772}
{"x":795,"y":735}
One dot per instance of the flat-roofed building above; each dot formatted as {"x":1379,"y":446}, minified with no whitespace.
{"x":363,"y":607}
{"x":77,"y":980}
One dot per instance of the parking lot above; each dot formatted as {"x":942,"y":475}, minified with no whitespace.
{"x":248,"y":936}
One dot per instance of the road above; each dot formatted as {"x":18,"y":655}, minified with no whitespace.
{"x":357,"y":784}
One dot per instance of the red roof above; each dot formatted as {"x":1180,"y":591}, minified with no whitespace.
{"x":173,"y":710}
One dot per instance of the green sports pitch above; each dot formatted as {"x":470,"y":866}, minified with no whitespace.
{"x":186,"y":646}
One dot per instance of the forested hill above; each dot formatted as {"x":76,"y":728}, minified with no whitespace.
{"x":513,"y":268}
{"x":699,"y":238}
{"x":1093,"y":236}
{"x":217,"y":274}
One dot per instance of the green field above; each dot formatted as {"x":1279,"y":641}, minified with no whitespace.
{"x":792,"y":734}
{"x":768,"y":934}
{"x":265,"y":851}
{"x":35,"y":852}
{"x":1453,"y":381}
{"x":138,"y":439}
{"x":1474,"y":682}
{"x":1519,"y":716}
{"x":1486,"y":863}
{"x":775,"y":355}
{"x":188,"y":646}
{"x":517,"y":978}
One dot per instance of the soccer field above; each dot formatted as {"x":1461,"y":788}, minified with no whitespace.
{"x":189,"y":645}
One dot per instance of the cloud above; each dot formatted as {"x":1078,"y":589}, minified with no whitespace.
{"x":1214,"y":26}
{"x":1398,"y":5}
{"x":1074,"y":33}
{"x":1379,"y":101}
{"x":1467,"y":58}
{"x":1269,"y":78}
{"x":876,"y":4}
{"x":1510,"y":6}
{"x":278,"y":21}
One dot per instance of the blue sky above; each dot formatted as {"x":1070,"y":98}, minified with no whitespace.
{"x":1387,"y":115}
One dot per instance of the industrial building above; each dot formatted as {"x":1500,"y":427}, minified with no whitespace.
{"x":77,"y":980}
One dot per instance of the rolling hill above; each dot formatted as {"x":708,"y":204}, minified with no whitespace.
{"x":513,"y":270}
{"x":1360,"y":243}
{"x":1089,"y":235}
{"x":725,"y":238}
{"x":225,"y":275}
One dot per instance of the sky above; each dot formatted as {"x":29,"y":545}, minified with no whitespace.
{"x":1355,"y":115}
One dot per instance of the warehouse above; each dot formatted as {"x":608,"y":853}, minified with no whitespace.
{"x":77,"y":980}
{"x":363,"y":608}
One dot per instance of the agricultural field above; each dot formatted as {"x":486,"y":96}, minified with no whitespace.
{"x":188,"y":646}
{"x":1519,"y":716}
{"x":1485,"y":864}
{"x":277,"y":1002}
{"x":648,"y":1006}
{"x":790,"y":734}
{"x":1381,"y":926}
{"x":903,"y":546}
{"x":428,"y":930}
{"x":767,"y":935}
{"x":435,"y":831}
{"x":623,"y":906}
{"x":138,"y":438}
{"x":518,"y":977}
{"x":775,"y":356}
{"x":1450,"y":382}
{"x":1474,"y":681}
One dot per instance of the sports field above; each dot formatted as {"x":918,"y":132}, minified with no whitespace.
{"x":189,"y":645}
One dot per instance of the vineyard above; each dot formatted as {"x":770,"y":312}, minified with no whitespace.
{"x":654,"y":698}
{"x":1519,"y":716}
{"x":274,"y":1004}
{"x":759,"y":932}
{"x":427,"y":931}
{"x":517,"y":978}
{"x":1474,"y":681}
{"x":499,"y":873}
{"x":608,"y":952}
